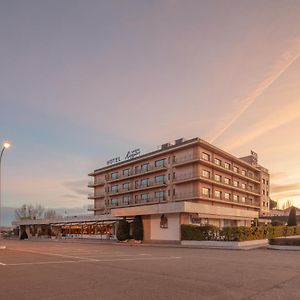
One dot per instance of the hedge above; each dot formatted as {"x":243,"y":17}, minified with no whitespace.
{"x":212,"y":233}
{"x":285,"y":242}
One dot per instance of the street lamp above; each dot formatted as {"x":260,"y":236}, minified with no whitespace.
{"x":6,"y":145}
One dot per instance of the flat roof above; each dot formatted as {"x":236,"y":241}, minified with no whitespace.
{"x":170,"y":148}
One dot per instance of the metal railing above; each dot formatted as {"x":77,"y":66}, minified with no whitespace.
{"x":191,"y":175}
{"x":137,"y":201}
{"x":191,"y":195}
{"x":137,"y":172}
{"x":191,"y":157}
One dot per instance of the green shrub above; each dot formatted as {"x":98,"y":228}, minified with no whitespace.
{"x":24,"y":235}
{"x":292,"y":219}
{"x":123,"y":230}
{"x":203,"y":233}
{"x":137,"y":228}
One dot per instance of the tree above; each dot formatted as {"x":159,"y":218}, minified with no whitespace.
{"x":51,"y":214}
{"x":292,"y":220}
{"x":123,"y":230}
{"x":273,"y":204}
{"x":137,"y":228}
{"x":287,"y":204}
{"x":29,"y":212}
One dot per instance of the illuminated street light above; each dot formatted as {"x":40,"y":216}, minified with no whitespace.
{"x":6,"y":145}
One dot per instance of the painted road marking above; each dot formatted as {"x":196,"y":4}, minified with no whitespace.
{"x":96,"y":260}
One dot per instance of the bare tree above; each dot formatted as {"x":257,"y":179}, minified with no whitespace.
{"x":29,"y":212}
{"x":51,"y":214}
{"x":287,"y":204}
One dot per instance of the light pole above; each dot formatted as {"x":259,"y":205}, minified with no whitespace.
{"x":6,"y":145}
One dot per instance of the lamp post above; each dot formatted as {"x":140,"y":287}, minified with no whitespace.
{"x":6,"y":145}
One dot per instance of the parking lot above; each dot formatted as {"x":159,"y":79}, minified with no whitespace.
{"x":82,"y":270}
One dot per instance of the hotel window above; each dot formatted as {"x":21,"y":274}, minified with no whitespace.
{"x":267,"y":193}
{"x":114,"y":188}
{"x":217,"y":161}
{"x":206,"y":192}
{"x":160,"y":178}
{"x":126,"y":172}
{"x":264,"y":192}
{"x":267,"y":182}
{"x":145,"y":197}
{"x":243,"y":199}
{"x":205,"y":156}
{"x":114,"y":201}
{"x":227,"y":180}
{"x":126,"y":186}
{"x":136,"y":169}
{"x":218,"y":194}
{"x":126,"y":200}
{"x":160,"y":163}
{"x":226,"y":165}
{"x":235,"y":183}
{"x":244,"y":172}
{"x":160,"y":195}
{"x":227,"y":196}
{"x":205,"y":174}
{"x":235,"y":198}
{"x":217,"y":177}
{"x":250,"y":187}
{"x":114,"y":175}
{"x":145,"y":182}
{"x":145,"y":167}
{"x":243,"y":186}
{"x":235,"y":169}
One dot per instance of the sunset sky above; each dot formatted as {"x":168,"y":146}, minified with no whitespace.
{"x":84,"y":81}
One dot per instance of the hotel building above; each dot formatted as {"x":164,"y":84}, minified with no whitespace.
{"x":187,"y":182}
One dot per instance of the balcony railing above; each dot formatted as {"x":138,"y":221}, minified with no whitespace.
{"x":190,"y":158}
{"x":96,"y":182}
{"x":137,"y":201}
{"x":138,"y":172}
{"x":132,"y":188}
{"x":198,"y":175}
{"x":96,"y":195}
{"x":195,"y":195}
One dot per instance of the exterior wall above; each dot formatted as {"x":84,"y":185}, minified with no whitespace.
{"x":147,"y":227}
{"x":118,"y":188}
{"x":172,"y":233}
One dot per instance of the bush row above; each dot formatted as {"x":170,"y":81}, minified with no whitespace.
{"x":285,"y":242}
{"x":206,"y":233}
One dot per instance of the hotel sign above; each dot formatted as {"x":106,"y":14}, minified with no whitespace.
{"x":130,"y":155}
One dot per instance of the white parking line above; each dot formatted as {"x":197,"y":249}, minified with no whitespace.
{"x":53,"y":254}
{"x":84,"y":261}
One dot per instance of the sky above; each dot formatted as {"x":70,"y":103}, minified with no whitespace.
{"x":84,"y":81}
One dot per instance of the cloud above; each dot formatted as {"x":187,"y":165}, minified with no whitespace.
{"x":276,"y":119}
{"x":279,"y":175}
{"x":284,"y":62}
{"x":285,"y":188}
{"x":69,"y":196}
{"x":78,"y":187}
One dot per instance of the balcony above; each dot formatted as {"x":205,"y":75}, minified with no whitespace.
{"x":96,"y":183}
{"x":139,"y":187}
{"x":193,"y":176}
{"x":200,"y":196}
{"x":137,"y":202}
{"x":136,"y":173}
{"x":196,"y":158}
{"x":96,"y":195}
{"x":93,"y":208}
